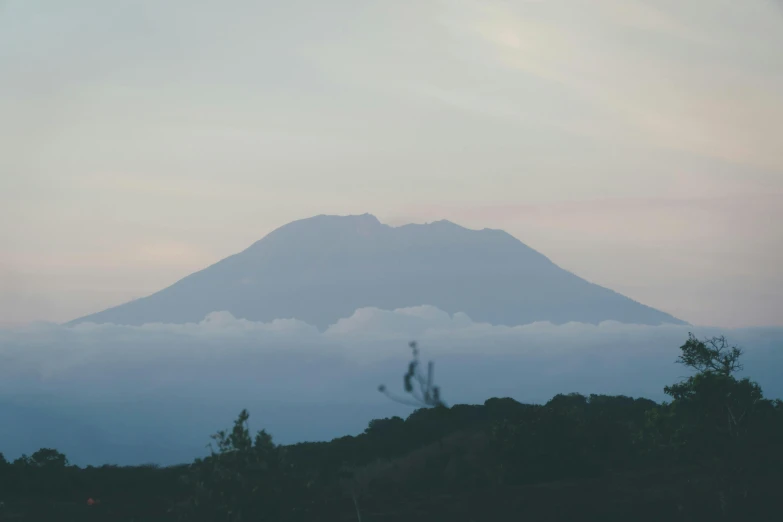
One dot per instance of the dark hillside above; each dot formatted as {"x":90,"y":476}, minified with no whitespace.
{"x":715,"y":452}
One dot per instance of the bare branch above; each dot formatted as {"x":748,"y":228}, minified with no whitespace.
{"x":427,"y":394}
{"x":710,"y":355}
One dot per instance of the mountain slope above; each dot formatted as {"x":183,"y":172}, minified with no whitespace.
{"x":323,"y":268}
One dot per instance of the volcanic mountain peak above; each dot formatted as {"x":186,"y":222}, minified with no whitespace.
{"x":323,"y":268}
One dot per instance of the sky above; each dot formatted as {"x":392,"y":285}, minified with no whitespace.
{"x":636,"y":143}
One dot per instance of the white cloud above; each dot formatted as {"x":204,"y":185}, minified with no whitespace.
{"x":405,"y":323}
{"x":55,"y":353}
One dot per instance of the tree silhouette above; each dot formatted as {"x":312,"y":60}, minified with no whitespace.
{"x":421,"y":388}
{"x":712,"y":355}
{"x":48,"y":458}
{"x":713,"y":453}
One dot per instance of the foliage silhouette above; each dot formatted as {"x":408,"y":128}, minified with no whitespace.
{"x":715,"y":452}
{"x":422,"y":389}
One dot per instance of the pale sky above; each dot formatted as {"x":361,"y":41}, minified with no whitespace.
{"x":637,"y":143}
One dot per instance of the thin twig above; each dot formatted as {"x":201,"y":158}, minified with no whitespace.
{"x":356,"y":506}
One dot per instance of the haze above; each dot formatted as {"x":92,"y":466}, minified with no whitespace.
{"x":636,"y":144}
{"x":135,"y":394}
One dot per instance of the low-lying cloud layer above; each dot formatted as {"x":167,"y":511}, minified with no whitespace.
{"x":175,"y":384}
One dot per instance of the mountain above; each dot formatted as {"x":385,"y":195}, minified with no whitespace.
{"x":323,"y":268}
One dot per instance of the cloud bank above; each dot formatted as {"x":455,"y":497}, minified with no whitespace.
{"x":155,"y":392}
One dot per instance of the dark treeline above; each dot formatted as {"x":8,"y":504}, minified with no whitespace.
{"x":713,"y":452}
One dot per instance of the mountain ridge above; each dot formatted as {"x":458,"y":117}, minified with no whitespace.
{"x":322,"y":268}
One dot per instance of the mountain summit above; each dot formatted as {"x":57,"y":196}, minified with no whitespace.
{"x":323,"y":268}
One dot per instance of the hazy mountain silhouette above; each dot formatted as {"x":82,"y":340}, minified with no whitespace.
{"x":323,"y":268}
